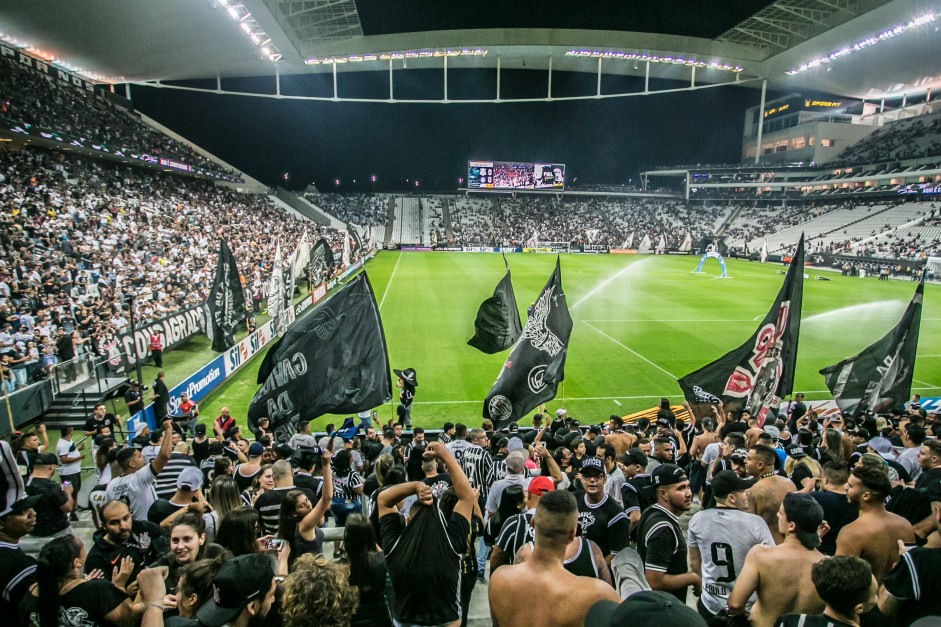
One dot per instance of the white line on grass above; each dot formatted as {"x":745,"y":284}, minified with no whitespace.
{"x":632,"y":351}
{"x":924,"y":383}
{"x":666,"y":320}
{"x":391,"y":276}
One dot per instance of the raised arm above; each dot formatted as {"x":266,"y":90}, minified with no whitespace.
{"x":166,"y":448}
{"x":554,"y":471}
{"x":312,"y":519}
{"x":391,"y":496}
{"x":465,"y":493}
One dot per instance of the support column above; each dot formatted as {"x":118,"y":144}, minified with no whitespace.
{"x":761,"y":120}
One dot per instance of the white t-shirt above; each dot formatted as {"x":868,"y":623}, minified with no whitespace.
{"x":66,"y":447}
{"x":724,"y":537}
{"x":137,"y":490}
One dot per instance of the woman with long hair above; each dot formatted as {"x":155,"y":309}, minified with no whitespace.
{"x":377,"y":477}
{"x":367,"y":572}
{"x":800,"y":465}
{"x":187,"y":545}
{"x":103,"y":461}
{"x":238,"y":531}
{"x":61,"y":593}
{"x":512,"y":501}
{"x":263,"y":482}
{"x":394,"y":476}
{"x":194,"y":586}
{"x":223,"y":497}
{"x":831,"y":449}
{"x":347,"y":490}
{"x":299,"y":521}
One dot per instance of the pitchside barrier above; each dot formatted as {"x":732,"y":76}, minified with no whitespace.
{"x":210,"y":376}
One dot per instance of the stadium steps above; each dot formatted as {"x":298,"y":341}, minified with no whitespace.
{"x":390,"y":222}
{"x":446,"y":217}
{"x":729,"y":220}
{"x":310,"y":210}
{"x":73,"y":405}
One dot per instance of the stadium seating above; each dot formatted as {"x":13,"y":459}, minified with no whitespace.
{"x":911,"y":138}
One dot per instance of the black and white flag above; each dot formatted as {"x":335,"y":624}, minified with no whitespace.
{"x":879,"y":378}
{"x":332,"y":360}
{"x":536,"y":364}
{"x":226,"y":302}
{"x":276,"y":293}
{"x":759,"y":373}
{"x":497,"y":326}
{"x":321,"y":262}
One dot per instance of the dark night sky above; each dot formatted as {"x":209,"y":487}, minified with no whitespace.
{"x":600,"y":141}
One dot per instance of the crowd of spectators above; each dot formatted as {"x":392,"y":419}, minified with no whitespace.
{"x":913,"y":138}
{"x":80,"y":235}
{"x":359,"y":209}
{"x":806,"y":519}
{"x":33,"y":100}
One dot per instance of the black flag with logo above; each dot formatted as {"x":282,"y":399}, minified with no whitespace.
{"x":497,"y":326}
{"x":226,"y":302}
{"x":536,"y":364}
{"x":357,"y":246}
{"x":321,"y":262}
{"x":332,"y":360}
{"x":879,"y":378}
{"x":759,"y":373}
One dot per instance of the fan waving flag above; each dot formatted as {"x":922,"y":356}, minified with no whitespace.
{"x":759,"y":373}
{"x":536,"y":364}
{"x":276,"y":292}
{"x":331,"y":360}
{"x":321,"y":262}
{"x":880,"y":377}
{"x":226,"y":301}
{"x":498,"y":320}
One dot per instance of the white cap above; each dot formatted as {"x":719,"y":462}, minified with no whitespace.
{"x":560,"y":412}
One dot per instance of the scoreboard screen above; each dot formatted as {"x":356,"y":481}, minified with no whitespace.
{"x":514,"y":175}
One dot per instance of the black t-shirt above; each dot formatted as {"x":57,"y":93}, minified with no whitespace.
{"x":662,"y":545}
{"x":911,"y":504}
{"x":803,"y":620}
{"x":604,"y":523}
{"x":424,"y":562}
{"x":163,"y":397}
{"x":93,"y":424}
{"x":49,"y":518}
{"x":637,"y":493}
{"x":928,"y":477}
{"x":244,"y":482}
{"x":85,"y":605}
{"x":17,"y":574}
{"x":162,"y":508}
{"x":838,"y":512}
{"x":312,"y":484}
{"x":200,"y":450}
{"x":65,"y":348}
{"x":129,"y":397}
{"x":915,"y":581}
{"x":438,"y":484}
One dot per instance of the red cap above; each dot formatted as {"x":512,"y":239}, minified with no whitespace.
{"x":540,"y":485}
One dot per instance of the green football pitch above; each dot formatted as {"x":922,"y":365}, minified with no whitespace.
{"x":640,"y":322}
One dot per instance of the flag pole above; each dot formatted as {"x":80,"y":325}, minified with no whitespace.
{"x":6,"y":400}
{"x":563,"y":393}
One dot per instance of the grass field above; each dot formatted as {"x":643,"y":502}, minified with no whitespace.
{"x":640,"y":323}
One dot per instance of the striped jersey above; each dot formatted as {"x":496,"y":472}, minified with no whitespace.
{"x":165,"y":486}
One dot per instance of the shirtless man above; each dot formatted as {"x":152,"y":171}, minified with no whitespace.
{"x":799,"y":520}
{"x":511,"y":587}
{"x":875,"y":535}
{"x":751,"y":435}
{"x":766,"y":495}
{"x":697,"y":478}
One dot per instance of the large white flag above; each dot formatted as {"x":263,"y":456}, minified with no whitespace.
{"x":276,"y":291}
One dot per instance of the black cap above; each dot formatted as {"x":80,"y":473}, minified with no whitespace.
{"x":649,"y":607}
{"x":283,"y":451}
{"x":663,"y":422}
{"x":46,"y":459}
{"x":240,"y":580}
{"x":806,"y":514}
{"x":592,"y":464}
{"x":513,"y":428}
{"x":796,"y":451}
{"x":726,"y":482}
{"x":634,"y":456}
{"x":739,"y":454}
{"x":668,"y":474}
{"x":200,"y":429}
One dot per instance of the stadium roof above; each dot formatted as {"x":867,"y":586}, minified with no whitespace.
{"x":895,"y":46}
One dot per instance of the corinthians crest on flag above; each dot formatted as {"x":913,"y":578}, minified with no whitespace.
{"x":759,"y":373}
{"x":226,"y":302}
{"x":536,"y":364}
{"x":880,"y":377}
{"x":497,"y":326}
{"x":332,"y":360}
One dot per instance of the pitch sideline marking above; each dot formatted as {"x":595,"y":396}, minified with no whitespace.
{"x":391,"y":276}
{"x":632,"y":351}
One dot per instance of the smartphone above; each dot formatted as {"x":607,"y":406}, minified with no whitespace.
{"x":274,"y":544}
{"x":66,"y":484}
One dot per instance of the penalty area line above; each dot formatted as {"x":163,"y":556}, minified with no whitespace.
{"x":632,"y":351}
{"x":391,"y":276}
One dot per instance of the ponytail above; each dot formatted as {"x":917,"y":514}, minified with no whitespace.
{"x":52,"y":568}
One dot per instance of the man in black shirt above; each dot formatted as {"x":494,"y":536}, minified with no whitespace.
{"x":161,"y":397}
{"x":424,"y":557}
{"x":660,"y":541}
{"x":837,"y":510}
{"x":132,"y":399}
{"x":637,"y":492}
{"x":17,"y":519}
{"x":600,"y":518}
{"x":100,"y":422}
{"x":55,"y":503}
{"x":141,"y":541}
{"x":910,"y":590}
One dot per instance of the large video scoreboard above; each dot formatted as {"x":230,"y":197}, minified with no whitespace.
{"x":514,"y":175}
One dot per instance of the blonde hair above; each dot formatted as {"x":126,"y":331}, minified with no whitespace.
{"x":812,"y":464}
{"x":318,"y":594}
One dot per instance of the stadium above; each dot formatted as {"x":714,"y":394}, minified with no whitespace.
{"x":353,"y":212}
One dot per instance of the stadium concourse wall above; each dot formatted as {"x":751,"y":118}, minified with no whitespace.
{"x":542,"y":247}
{"x":199,"y":384}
